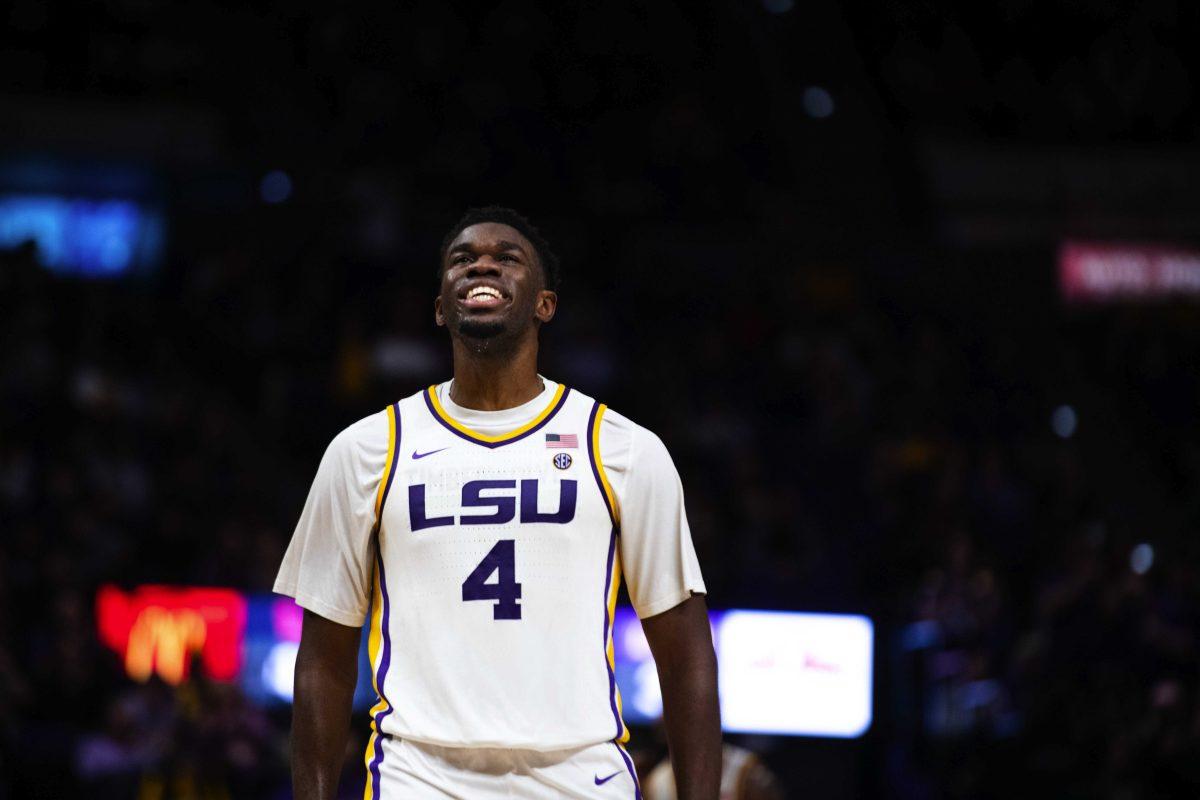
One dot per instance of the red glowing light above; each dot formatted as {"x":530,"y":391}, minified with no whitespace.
{"x":157,"y":629}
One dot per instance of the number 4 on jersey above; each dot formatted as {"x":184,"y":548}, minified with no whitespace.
{"x":501,"y":559}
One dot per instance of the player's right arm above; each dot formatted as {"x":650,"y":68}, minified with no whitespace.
{"x":326,"y":674}
{"x":328,"y":569}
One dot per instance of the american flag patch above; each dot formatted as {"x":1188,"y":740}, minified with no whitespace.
{"x":562,"y":440}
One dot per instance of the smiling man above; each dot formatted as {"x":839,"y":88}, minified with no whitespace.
{"x":485,"y":524}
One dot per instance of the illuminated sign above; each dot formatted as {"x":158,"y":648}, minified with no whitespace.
{"x":157,"y":630}
{"x":270,"y":646}
{"x":780,"y":672}
{"x":1091,"y":272}
{"x":793,"y":673}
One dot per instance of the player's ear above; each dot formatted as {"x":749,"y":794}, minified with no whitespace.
{"x":437,"y":312}
{"x":546,"y":305}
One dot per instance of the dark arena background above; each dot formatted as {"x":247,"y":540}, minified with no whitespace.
{"x":908,"y":289}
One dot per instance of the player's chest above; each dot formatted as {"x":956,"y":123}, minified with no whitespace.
{"x":448,"y":489}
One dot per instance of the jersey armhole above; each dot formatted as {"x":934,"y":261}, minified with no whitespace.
{"x":389,"y":466}
{"x":595,"y":420}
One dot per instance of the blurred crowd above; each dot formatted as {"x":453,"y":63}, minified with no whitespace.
{"x":864,"y":420}
{"x":839,"y":453}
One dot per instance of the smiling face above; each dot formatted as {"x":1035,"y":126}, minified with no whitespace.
{"x":492,"y":285}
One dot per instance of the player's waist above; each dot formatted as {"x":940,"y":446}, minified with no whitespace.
{"x":458,"y":749}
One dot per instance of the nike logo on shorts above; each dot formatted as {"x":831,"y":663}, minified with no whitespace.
{"x":601,"y":781}
{"x":417,"y":455}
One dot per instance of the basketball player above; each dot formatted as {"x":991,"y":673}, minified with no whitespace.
{"x":486,"y":523}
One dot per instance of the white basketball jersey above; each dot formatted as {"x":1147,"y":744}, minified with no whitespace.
{"x":495,"y":581}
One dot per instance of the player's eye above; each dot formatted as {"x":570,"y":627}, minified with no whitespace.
{"x":462,"y":258}
{"x":508,"y":257}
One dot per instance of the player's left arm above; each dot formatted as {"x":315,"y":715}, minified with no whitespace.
{"x":667,"y":590}
{"x":681,"y":641}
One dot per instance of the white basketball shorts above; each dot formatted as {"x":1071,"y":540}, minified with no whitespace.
{"x":414,"y":771}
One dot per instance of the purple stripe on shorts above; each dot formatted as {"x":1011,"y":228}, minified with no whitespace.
{"x":637,"y":786}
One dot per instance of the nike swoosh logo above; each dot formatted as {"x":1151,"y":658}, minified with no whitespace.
{"x":601,"y":781}
{"x":417,"y":455}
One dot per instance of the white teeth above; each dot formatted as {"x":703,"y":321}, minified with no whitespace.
{"x":483,"y":291}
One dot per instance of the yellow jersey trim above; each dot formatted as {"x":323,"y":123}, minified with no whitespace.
{"x":375,"y":636}
{"x":609,"y":495}
{"x":387,"y":465}
{"x":435,"y":405}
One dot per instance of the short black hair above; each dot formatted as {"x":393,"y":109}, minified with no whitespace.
{"x":516,"y":221}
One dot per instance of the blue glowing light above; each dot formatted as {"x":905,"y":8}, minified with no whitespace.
{"x":276,"y":186}
{"x":1064,"y":421}
{"x":818,"y":102}
{"x":82,"y":236}
{"x":1141,"y":559}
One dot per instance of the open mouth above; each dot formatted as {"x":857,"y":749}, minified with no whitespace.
{"x":482,"y":297}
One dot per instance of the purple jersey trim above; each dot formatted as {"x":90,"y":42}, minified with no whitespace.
{"x":387,"y":486}
{"x":591,"y":445}
{"x":384,"y":661}
{"x":386,"y":658}
{"x":612,"y":549}
{"x":612,"y":679}
{"x":492,"y":445}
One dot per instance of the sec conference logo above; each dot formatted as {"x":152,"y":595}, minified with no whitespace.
{"x":562,"y":460}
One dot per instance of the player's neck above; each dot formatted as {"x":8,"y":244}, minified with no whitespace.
{"x":492,"y":382}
